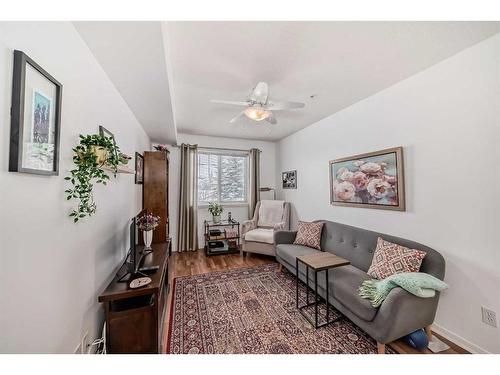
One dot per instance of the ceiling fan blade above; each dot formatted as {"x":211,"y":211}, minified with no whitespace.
{"x":272,"y":120}
{"x":229,"y":102}
{"x":277,"y":106}
{"x":235,"y":118}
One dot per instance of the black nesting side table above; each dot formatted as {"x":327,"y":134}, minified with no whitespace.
{"x":322,"y":261}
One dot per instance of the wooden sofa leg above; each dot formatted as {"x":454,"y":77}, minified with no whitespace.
{"x":380,"y":348}
{"x":428,"y":332}
{"x":280,"y":268}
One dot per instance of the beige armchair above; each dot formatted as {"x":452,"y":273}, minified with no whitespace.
{"x":257,"y":234}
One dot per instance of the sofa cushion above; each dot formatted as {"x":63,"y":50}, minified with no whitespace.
{"x":309,"y":234}
{"x":391,"y":258}
{"x":260,"y":235}
{"x":344,"y":282}
{"x":289,"y":252}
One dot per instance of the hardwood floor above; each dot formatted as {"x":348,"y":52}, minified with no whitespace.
{"x":195,"y":263}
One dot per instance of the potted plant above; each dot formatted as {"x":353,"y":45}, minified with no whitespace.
{"x":215,"y":209}
{"x":123,"y":158}
{"x":93,"y":152}
{"x":147,"y":223}
{"x":161,"y":148}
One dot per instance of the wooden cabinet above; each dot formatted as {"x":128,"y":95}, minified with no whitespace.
{"x":134,"y":317}
{"x":155,"y":191}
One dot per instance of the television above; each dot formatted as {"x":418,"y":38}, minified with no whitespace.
{"x":134,"y":257}
{"x":135,"y":253}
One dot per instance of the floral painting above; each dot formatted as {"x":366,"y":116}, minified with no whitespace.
{"x":369,"y":180}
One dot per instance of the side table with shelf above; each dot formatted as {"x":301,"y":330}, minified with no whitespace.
{"x":317,"y":262}
{"x":216,"y":240}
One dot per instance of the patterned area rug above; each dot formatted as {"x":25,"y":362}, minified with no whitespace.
{"x":252,"y":310}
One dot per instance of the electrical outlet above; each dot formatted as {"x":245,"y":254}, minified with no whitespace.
{"x":84,"y":343}
{"x":489,"y":316}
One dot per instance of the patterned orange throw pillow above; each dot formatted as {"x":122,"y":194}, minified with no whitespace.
{"x":391,"y":258}
{"x":309,"y":234}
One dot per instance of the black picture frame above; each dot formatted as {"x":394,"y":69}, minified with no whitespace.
{"x":103,"y":132}
{"x":289,"y":179}
{"x":139,"y":168}
{"x":17,"y":119}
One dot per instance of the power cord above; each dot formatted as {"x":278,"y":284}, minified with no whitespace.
{"x":100,"y":344}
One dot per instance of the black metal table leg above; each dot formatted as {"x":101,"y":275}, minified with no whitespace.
{"x":315,"y":299}
{"x":327,"y":299}
{"x":297,"y":281}
{"x":307,"y":285}
{"x":313,"y":321}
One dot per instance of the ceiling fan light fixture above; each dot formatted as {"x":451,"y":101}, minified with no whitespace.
{"x":257,"y":113}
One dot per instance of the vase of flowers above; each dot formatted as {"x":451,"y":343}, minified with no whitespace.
{"x":147,"y":223}
{"x":215,"y":209}
{"x":161,"y":148}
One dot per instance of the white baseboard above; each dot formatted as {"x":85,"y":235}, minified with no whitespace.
{"x":459,"y":340}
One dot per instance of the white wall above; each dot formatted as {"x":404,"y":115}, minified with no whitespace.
{"x":447,"y":118}
{"x":238,"y":212}
{"x":51,"y":269}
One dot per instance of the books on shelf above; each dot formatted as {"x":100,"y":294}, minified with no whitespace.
{"x":223,"y":237}
{"x":215,"y":232}
{"x":232,"y":244}
{"x":216,"y":244}
{"x":231,"y":232}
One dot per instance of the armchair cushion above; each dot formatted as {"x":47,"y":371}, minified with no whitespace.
{"x":270,"y":213}
{"x":260,"y":235}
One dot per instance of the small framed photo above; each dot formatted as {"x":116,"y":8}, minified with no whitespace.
{"x":139,"y":168}
{"x":371,"y":180}
{"x":289,"y":179}
{"x":103,"y":132}
{"x":35,"y":123}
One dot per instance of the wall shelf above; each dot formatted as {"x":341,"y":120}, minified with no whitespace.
{"x":119,"y":169}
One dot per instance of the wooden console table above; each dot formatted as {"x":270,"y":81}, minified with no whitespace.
{"x":134,"y":317}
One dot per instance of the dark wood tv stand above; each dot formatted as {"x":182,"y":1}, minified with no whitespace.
{"x":134,"y":317}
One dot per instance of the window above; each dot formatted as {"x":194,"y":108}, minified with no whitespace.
{"x":222,"y":177}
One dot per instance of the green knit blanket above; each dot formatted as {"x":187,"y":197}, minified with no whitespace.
{"x":417,"y":283}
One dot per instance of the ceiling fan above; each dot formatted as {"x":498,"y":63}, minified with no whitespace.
{"x":258,"y":106}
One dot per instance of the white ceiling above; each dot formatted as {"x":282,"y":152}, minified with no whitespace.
{"x":168,"y":73}
{"x":133,"y":56}
{"x":340,"y":62}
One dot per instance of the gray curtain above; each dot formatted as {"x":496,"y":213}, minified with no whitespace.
{"x":187,"y":233}
{"x":254,"y":170}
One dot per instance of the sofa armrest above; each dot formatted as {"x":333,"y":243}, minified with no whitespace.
{"x":284,"y":236}
{"x":402,"y":313}
{"x":248,"y":225}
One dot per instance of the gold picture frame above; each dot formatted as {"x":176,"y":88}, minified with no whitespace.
{"x":370,"y":180}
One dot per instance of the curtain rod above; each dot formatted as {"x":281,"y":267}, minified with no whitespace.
{"x":220,"y":148}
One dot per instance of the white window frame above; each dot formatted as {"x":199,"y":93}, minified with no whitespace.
{"x":220,"y":153}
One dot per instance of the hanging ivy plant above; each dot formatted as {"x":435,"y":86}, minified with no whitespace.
{"x":93,"y":152}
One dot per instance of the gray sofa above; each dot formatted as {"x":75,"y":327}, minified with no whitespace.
{"x":400,"y":314}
